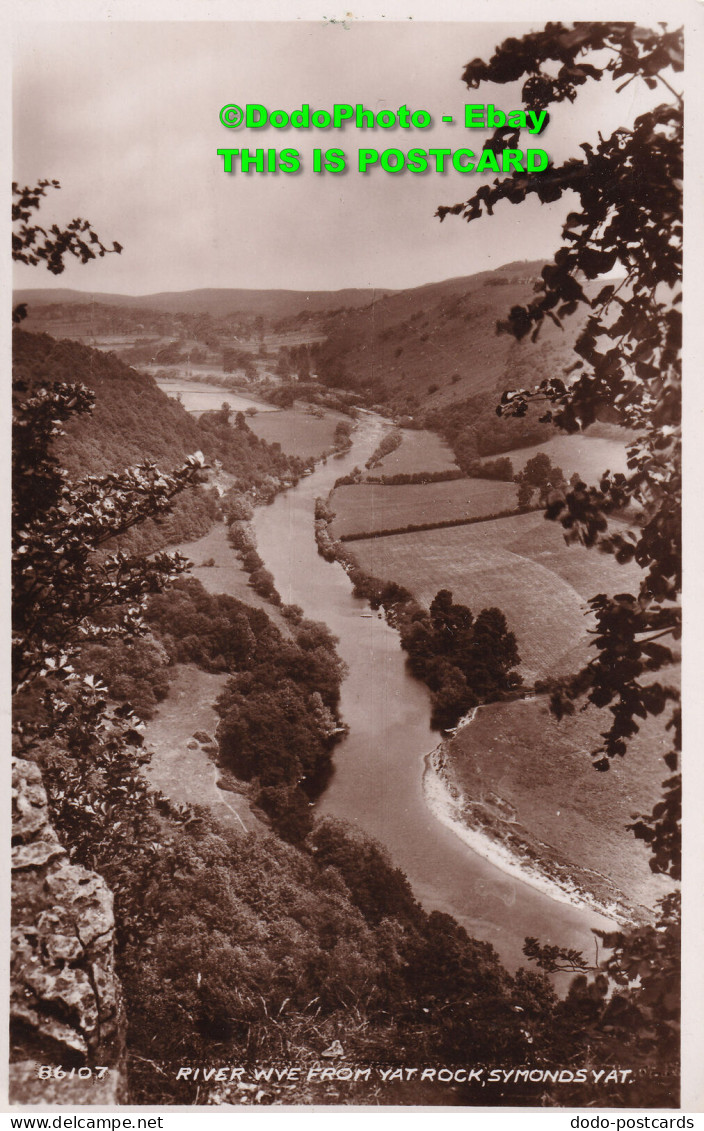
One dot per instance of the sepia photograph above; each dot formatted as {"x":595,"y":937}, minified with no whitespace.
{"x":346,"y":560}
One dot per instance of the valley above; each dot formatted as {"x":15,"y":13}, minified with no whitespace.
{"x":499,"y":825}
{"x":523,"y":565}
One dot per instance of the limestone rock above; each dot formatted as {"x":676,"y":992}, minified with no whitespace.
{"x":66,"y":1003}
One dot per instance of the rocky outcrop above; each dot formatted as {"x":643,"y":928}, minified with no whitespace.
{"x":65,"y":999}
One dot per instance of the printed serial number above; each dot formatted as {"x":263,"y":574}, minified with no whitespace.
{"x":56,"y":1072}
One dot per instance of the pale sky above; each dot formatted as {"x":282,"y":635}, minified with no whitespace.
{"x":125,"y":115}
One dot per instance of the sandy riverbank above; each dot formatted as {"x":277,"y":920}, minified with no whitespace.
{"x":511,"y":848}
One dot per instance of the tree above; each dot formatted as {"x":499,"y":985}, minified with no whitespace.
{"x":629,"y":218}
{"x":539,"y":475}
{"x":64,"y":588}
{"x":463,"y":659}
{"x":33,"y":244}
{"x":283,"y":363}
{"x":229,"y":360}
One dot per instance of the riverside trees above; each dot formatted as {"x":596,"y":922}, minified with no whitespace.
{"x":464,"y":660}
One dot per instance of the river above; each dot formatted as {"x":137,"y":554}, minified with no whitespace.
{"x":377,"y":783}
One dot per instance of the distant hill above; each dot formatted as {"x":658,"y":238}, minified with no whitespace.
{"x":216,"y":301}
{"x":427,"y":348}
{"x":417,"y":352}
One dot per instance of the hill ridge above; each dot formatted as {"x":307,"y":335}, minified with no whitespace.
{"x":256,"y":299}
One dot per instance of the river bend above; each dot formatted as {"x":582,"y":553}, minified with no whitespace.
{"x":377,"y":783}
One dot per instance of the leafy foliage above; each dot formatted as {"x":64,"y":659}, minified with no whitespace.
{"x":62,"y":584}
{"x":627,"y":371}
{"x":464,"y":660}
{"x":218,"y":633}
{"x":388,"y":443}
{"x":225,"y":943}
{"x":637,"y":1004}
{"x":289,"y":811}
{"x":33,"y":244}
{"x":135,"y":671}
{"x":69,"y":591}
{"x":474,"y":431}
{"x":645,"y":965}
{"x":628,"y":358}
{"x":228,"y":946}
{"x":279,"y":721}
{"x":279,"y":708}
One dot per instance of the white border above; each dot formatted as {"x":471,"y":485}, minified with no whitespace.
{"x":689,"y":12}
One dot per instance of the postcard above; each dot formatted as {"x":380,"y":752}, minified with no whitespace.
{"x":347,"y":560}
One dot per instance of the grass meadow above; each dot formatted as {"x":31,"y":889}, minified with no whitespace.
{"x":418,"y":451}
{"x":588,"y":455}
{"x":525,"y":777}
{"x":226,"y":574}
{"x":369,"y":507}
{"x":299,"y":432}
{"x":187,"y":773}
{"x":520,"y":564}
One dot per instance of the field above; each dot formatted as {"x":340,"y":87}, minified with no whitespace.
{"x":526,"y":769}
{"x":189,"y":774}
{"x":589,"y":456}
{"x":186,"y":774}
{"x":522,"y":777}
{"x":587,"y":571}
{"x":520,"y":564}
{"x":370,"y":507}
{"x":197,"y":398}
{"x":418,"y":451}
{"x":299,"y":432}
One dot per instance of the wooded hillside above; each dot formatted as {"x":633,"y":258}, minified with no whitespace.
{"x":133,"y":421}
